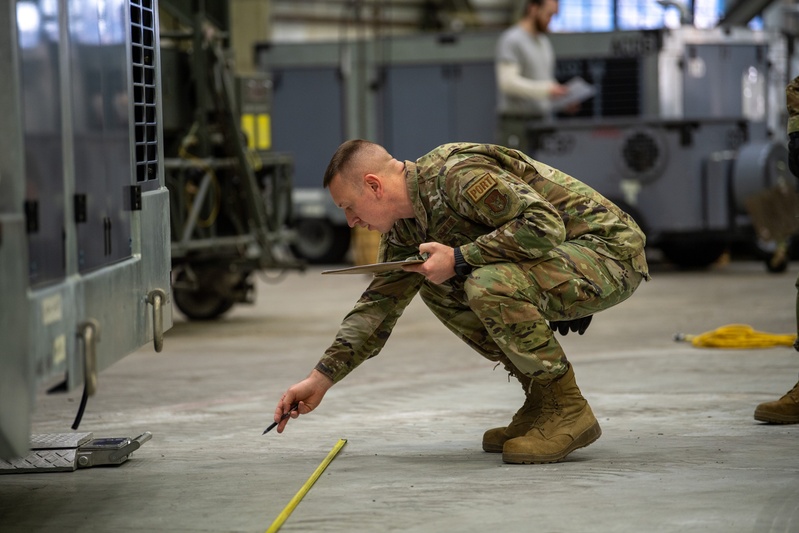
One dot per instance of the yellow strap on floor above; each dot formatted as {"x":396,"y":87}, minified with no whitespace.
{"x":305,"y":488}
{"x":737,"y":336}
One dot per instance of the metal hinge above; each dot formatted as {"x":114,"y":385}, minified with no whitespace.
{"x":80,"y":208}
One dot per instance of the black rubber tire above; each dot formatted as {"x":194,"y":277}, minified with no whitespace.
{"x":319,"y":241}
{"x":693,"y":253}
{"x":200,"y":304}
{"x":777,"y":265}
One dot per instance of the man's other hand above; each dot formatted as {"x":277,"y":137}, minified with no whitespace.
{"x":578,"y":325}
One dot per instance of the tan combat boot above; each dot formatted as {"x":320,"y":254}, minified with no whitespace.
{"x":566,"y":424}
{"x":495,"y":438}
{"x":782,"y":411}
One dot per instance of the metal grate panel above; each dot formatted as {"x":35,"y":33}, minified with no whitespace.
{"x":143,"y":42}
{"x":618,"y":80}
{"x":46,"y":441}
{"x":50,"y":452}
{"x":41,"y":461}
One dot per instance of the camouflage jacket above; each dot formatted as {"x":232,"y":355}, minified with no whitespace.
{"x":792,"y":103}
{"x":498,"y":205}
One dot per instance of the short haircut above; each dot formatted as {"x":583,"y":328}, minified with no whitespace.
{"x":351,"y":153}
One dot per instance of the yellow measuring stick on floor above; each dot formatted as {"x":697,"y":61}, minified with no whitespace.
{"x":305,"y":488}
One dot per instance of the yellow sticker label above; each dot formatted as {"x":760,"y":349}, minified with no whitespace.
{"x":248,"y":127}
{"x":51,"y":309}
{"x":481,"y":187}
{"x":264,"y":132}
{"x":59,"y":350}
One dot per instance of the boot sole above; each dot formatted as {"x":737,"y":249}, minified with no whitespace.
{"x":492,"y":448}
{"x":774,"y":418}
{"x":585,"y":438}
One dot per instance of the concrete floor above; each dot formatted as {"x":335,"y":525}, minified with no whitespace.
{"x":680,"y":450}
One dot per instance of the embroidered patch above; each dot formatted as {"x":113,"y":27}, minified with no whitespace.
{"x":481,"y":187}
{"x":447,"y":226}
{"x":496,"y":201}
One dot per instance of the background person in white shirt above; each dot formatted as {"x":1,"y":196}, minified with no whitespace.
{"x":525,"y":70}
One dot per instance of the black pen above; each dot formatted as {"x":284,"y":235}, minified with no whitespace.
{"x":282,"y":418}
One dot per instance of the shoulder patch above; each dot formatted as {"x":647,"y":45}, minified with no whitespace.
{"x":496,"y":202}
{"x":480,"y":188}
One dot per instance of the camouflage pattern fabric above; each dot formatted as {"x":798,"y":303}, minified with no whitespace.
{"x":792,"y":103}
{"x":544,"y":245}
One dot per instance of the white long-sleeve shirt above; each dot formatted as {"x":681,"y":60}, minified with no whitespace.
{"x":525,"y":69}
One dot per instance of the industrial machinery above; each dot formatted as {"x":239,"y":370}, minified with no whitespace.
{"x":679,"y":132}
{"x":230,"y":193}
{"x":84,"y":235}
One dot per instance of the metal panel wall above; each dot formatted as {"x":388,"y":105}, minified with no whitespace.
{"x":716,"y":77}
{"x":16,"y":373}
{"x":100,"y":72}
{"x":423,"y":106}
{"x":415,"y":109}
{"x":308,"y":119}
{"x":40,"y":75}
{"x":82,"y":241}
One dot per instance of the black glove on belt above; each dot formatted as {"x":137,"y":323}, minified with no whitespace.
{"x":793,"y":153}
{"x":578,"y":324}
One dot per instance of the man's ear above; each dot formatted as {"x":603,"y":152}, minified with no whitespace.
{"x":374,"y":183}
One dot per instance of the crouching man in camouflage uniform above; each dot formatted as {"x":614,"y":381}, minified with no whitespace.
{"x":514,"y":248}
{"x":786,"y":409}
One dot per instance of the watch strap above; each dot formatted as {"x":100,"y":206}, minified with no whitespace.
{"x":462,"y":268}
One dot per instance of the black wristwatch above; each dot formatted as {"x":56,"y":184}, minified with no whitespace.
{"x":462,"y":268}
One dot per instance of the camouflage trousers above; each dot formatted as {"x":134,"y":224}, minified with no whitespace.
{"x":503,"y":309}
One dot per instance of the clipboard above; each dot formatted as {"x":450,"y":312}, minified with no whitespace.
{"x":375,"y":268}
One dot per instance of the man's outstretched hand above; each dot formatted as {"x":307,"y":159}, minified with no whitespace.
{"x":307,"y":394}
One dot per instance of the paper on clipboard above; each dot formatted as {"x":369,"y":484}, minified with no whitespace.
{"x":579,"y":91}
{"x":375,"y":268}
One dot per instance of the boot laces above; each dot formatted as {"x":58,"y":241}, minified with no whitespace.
{"x":793,"y":393}
{"x":550,"y":407}
{"x":531,"y":402}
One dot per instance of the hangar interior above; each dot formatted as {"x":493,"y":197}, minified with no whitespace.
{"x":164,"y":230}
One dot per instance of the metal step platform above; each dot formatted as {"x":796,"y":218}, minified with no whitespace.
{"x":66,"y":452}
